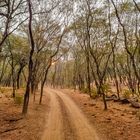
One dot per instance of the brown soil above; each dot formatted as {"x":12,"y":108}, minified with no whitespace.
{"x":66,"y":121}
{"x":61,"y":117}
{"x":14,"y":126}
{"x":120,"y":122}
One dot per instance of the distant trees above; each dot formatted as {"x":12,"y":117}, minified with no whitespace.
{"x":46,"y":33}
{"x":38,"y":38}
{"x":130,"y":47}
{"x":88,"y":45}
{"x":13,"y":60}
{"x":93,"y":40}
{"x":105,"y":48}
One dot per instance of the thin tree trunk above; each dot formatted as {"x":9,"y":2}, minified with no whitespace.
{"x":18,"y":76}
{"x":43,"y":83}
{"x":26,"y":96}
{"x":115,"y":75}
{"x":88,"y":77}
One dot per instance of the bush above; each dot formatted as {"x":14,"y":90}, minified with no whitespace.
{"x":18,"y":99}
{"x":94,"y":93}
{"x":84,"y":90}
{"x":127,"y":93}
{"x":5,"y":90}
{"x":1,"y":90}
{"x":106,"y":88}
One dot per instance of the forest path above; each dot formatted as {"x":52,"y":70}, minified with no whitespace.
{"x":65,"y":120}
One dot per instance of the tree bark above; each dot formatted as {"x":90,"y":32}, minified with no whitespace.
{"x":30,"y":65}
{"x":18,"y":76}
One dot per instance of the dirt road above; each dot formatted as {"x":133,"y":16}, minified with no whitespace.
{"x":65,"y":120}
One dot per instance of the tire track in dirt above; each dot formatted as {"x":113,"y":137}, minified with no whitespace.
{"x":65,"y":120}
{"x":82,"y":129}
{"x":53,"y":128}
{"x":69,"y":132}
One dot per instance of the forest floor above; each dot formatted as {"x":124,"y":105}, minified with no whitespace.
{"x":67,"y":114}
{"x":14,"y":126}
{"x":119,"y":122}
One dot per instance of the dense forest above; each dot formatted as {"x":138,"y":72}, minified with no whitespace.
{"x":89,"y":46}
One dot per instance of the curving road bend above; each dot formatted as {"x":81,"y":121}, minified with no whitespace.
{"x":65,"y":120}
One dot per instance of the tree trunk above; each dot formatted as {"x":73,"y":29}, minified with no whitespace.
{"x":26,"y":96}
{"x":115,"y":75}
{"x":88,"y":76}
{"x":104,"y":100}
{"x":13,"y":76}
{"x":41,"y":92}
{"x":18,"y":76}
{"x":43,"y":83}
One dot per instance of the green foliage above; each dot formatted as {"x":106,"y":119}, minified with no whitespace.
{"x":126,"y":7}
{"x":1,"y":90}
{"x":127,"y":93}
{"x":106,"y":88}
{"x":84,"y":90}
{"x":5,"y":90}
{"x":18,"y":99}
{"x":94,"y":93}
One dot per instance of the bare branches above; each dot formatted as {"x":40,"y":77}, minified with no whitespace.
{"x":136,"y":5}
{"x":131,"y":54}
{"x":9,"y":11}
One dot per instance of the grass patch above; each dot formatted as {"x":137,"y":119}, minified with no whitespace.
{"x":94,"y":93}
{"x":106,"y":88}
{"x":127,"y":93}
{"x":4,"y":90}
{"x":18,"y":99}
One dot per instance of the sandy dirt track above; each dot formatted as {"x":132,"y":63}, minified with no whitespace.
{"x":66,"y":121}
